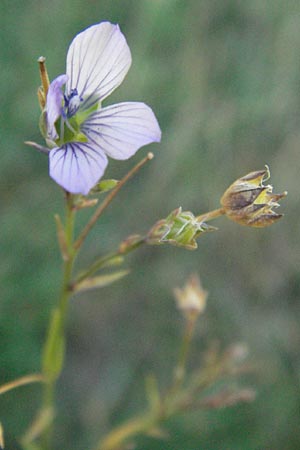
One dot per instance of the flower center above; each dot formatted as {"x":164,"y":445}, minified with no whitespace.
{"x":72,"y":103}
{"x":70,"y":120}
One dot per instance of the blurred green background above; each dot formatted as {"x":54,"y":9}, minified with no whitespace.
{"x":223,"y":78}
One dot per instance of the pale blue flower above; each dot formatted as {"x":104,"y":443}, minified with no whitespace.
{"x":80,"y":133}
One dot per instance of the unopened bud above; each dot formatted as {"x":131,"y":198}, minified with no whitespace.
{"x":104,"y":186}
{"x":191,"y":299}
{"x":248,"y":202}
{"x":44,"y":76}
{"x":180,"y":228}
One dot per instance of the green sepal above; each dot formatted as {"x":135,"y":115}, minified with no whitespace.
{"x":82,"y":115}
{"x":54,"y":350}
{"x":43,"y":124}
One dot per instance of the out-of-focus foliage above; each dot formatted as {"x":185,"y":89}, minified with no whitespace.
{"x":223,"y":77}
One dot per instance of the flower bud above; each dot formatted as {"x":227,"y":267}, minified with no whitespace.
{"x":180,"y":228}
{"x":248,"y":202}
{"x":191,"y":299}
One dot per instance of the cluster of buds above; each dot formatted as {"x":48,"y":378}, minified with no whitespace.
{"x":248,"y":202}
{"x":180,"y":228}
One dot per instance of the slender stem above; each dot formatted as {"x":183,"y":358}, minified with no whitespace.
{"x":108,"y":200}
{"x":27,"y":379}
{"x":106,"y":259}
{"x":210,"y":215}
{"x":138,"y":425}
{"x":180,"y":368}
{"x":116,"y":438}
{"x":49,"y":392}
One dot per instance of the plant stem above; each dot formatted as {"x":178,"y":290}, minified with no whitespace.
{"x":211,"y":214}
{"x":141,"y":424}
{"x":180,"y":368}
{"x":116,"y":438}
{"x":55,"y":332}
{"x":103,"y":261}
{"x":27,"y":379}
{"x":108,"y":200}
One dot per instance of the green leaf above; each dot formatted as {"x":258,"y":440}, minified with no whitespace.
{"x":61,"y":237}
{"x":104,"y":186}
{"x":100,"y":281}
{"x":115,"y":261}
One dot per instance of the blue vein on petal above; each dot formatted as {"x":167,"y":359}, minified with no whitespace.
{"x":109,"y":83}
{"x":82,"y":63}
{"x":74,"y":147}
{"x":97,"y":59}
{"x":120,"y":129}
{"x":86,"y":105}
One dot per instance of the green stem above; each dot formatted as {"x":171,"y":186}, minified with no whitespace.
{"x":104,"y":260}
{"x":56,"y":333}
{"x":180,"y":369}
{"x":141,"y":424}
{"x":120,"y":435}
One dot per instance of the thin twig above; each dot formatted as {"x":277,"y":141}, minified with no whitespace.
{"x":211,"y":215}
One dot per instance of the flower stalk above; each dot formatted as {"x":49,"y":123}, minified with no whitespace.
{"x":211,"y":215}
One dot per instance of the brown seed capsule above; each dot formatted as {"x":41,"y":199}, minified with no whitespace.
{"x":248,"y":202}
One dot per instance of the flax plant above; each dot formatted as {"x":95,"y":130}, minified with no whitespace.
{"x":80,"y":134}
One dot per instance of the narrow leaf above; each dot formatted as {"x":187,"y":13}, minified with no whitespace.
{"x":100,"y":281}
{"x":61,"y":237}
{"x":41,"y":422}
{"x":115,"y":261}
{"x":152,"y":392}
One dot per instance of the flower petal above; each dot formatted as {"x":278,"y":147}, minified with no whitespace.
{"x":120,"y":130}
{"x":54,"y":104}
{"x":97,"y":61}
{"x":77,"y":166}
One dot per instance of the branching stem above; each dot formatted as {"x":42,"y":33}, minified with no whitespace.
{"x":108,"y":200}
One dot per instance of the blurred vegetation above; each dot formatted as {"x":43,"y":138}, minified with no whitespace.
{"x":223,"y":77}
